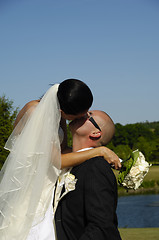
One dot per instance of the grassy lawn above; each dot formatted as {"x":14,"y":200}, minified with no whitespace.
{"x":153,"y":174}
{"x":139,"y":233}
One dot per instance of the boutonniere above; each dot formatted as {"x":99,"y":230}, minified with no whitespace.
{"x":66,"y":180}
{"x":133,"y":170}
{"x":69,"y":181}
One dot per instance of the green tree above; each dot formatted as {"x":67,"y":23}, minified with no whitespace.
{"x":69,"y":137}
{"x":123,"y":151}
{"x":7,"y":118}
{"x":120,"y":136}
{"x":156,"y":132}
{"x":154,"y":158}
{"x":134,"y":131}
{"x":145,"y":146}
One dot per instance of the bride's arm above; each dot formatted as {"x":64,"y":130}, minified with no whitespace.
{"x":75,"y":158}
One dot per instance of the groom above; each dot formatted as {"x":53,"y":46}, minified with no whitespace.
{"x":89,"y":211}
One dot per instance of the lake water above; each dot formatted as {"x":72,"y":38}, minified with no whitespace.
{"x":138,"y":211}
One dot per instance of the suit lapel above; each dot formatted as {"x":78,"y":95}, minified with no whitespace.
{"x":65,"y":183}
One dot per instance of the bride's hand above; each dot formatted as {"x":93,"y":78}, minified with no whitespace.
{"x":110,"y":157}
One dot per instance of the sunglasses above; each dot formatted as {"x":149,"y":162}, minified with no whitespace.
{"x":91,"y":119}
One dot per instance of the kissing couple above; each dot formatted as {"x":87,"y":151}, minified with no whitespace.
{"x":39,"y":159}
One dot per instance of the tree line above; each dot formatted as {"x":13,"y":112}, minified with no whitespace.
{"x":8,"y":114}
{"x":143,"y":136}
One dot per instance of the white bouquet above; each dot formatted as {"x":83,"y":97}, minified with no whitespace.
{"x":133,"y":170}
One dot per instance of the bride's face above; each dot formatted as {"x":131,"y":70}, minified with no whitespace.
{"x":87,"y":124}
{"x":73,"y":117}
{"x":81,"y":126}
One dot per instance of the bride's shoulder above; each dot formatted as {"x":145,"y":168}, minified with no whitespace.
{"x":31,"y":104}
{"x":28,"y":107}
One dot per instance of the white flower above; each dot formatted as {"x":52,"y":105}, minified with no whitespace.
{"x":137,"y":172}
{"x":70,"y":182}
{"x":66,"y":180}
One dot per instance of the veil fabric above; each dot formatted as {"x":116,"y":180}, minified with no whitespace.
{"x":31,"y":169}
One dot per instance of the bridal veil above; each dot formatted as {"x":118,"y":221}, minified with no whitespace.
{"x":31,"y":169}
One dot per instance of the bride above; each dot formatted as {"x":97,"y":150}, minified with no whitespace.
{"x":37,"y":153}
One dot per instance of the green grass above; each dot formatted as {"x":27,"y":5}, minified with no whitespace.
{"x":139,"y":233}
{"x":153,"y":174}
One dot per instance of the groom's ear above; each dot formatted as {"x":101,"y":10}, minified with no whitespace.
{"x":95,"y":135}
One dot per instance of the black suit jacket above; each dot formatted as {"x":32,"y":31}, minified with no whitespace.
{"x":89,"y":212}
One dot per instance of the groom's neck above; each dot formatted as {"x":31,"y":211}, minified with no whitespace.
{"x":80,"y":143}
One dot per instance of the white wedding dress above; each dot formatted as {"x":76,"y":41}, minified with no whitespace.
{"x":28,"y":177}
{"x":45,"y":230}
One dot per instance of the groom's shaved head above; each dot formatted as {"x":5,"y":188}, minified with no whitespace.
{"x":94,"y":130}
{"x":106,"y":124}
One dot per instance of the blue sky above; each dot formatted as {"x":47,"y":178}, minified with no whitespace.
{"x":112,"y":45}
